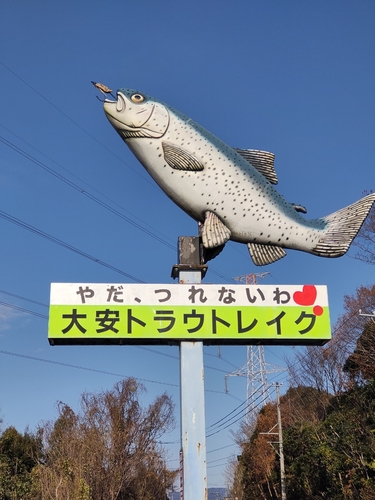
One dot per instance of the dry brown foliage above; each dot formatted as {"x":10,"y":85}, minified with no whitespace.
{"x":109,"y":450}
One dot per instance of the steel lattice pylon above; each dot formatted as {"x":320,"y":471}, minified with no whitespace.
{"x":255,"y":370}
{"x":257,"y":388}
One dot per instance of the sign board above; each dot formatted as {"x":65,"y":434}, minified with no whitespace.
{"x":82,"y":313}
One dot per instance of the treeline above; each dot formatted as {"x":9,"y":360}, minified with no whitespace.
{"x":328,"y":420}
{"x":109,"y":450}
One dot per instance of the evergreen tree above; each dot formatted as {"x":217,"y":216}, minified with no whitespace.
{"x":19,"y":454}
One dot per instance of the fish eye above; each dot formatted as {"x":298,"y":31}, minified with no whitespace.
{"x":137,"y":98}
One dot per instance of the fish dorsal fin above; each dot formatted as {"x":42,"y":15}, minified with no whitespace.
{"x":214,"y":232}
{"x":265,"y":254}
{"x":179,"y":159}
{"x":262,"y":161}
{"x":299,"y":208}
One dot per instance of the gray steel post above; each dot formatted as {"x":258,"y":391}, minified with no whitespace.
{"x":193,"y":428}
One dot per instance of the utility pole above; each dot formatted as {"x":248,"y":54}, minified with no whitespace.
{"x":372,"y":316}
{"x":279,"y":442}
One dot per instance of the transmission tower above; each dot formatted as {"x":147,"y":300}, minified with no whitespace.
{"x":255,"y":369}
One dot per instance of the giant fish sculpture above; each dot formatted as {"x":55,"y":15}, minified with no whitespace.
{"x":228,"y":191}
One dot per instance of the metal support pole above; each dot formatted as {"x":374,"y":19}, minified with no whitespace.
{"x":193,"y":429}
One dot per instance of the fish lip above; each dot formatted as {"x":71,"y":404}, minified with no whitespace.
{"x":120,"y":102}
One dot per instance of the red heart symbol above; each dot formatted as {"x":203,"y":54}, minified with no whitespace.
{"x":306,"y":297}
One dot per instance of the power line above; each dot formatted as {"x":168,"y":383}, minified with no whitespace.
{"x":176,"y":358}
{"x":72,"y":174}
{"x":75,"y":123}
{"x":28,"y":311}
{"x":47,"y":236}
{"x":221,"y":358}
{"x":23,"y":310}
{"x":68,"y":365}
{"x":232,"y":423}
{"x":23,"y":298}
{"x":222,"y":448}
{"x":241,"y":412}
{"x":78,"y":367}
{"x":82,"y":191}
{"x":43,"y":316}
{"x":227,"y":415}
{"x":94,"y":198}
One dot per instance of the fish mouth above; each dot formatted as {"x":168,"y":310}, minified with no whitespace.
{"x":120,"y":103}
{"x":113,"y":108}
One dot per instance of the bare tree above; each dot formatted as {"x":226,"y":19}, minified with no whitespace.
{"x":350,"y":325}
{"x":319,"y":367}
{"x":109,"y":450}
{"x":361,"y":363}
{"x":365,"y":240}
{"x":323,"y":367}
{"x":233,"y":475}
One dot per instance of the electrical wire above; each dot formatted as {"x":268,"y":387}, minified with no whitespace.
{"x":230,"y":413}
{"x":43,"y":316}
{"x":176,"y":358}
{"x":74,"y":175}
{"x":82,"y":191}
{"x":46,"y":317}
{"x":95,"y":199}
{"x":218,"y":465}
{"x":5,"y":304}
{"x":75,"y":123}
{"x":232,"y":423}
{"x":78,"y":367}
{"x":23,"y":298}
{"x":222,"y":448}
{"x":29,"y":227}
{"x":240,"y":412}
{"x":221,"y":358}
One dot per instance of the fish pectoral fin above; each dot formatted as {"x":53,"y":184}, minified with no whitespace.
{"x":214,"y":233}
{"x":262,"y":161}
{"x":265,"y":254}
{"x":179,"y":159}
{"x":299,"y":208}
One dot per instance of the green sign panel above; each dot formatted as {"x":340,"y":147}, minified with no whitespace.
{"x":167,"y":314}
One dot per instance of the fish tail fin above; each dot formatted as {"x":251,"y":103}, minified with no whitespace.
{"x":342,"y":227}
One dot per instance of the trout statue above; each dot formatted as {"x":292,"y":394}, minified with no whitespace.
{"x":230,"y":192}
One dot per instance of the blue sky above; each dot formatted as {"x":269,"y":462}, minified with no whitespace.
{"x":294,"y":78}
